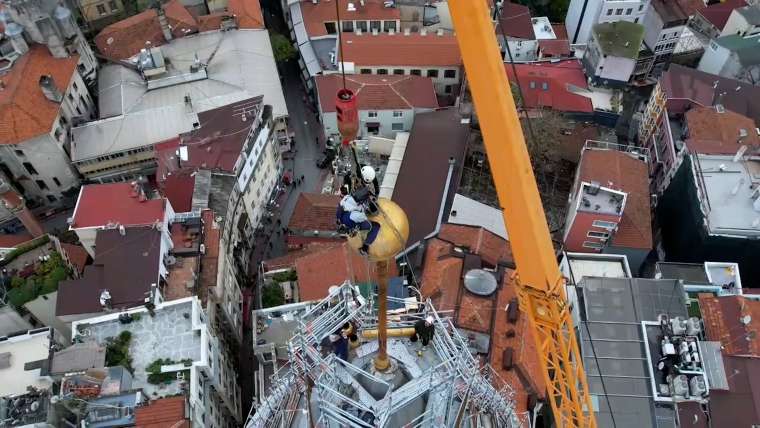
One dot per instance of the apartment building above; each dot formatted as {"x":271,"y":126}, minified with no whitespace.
{"x":664,"y":23}
{"x":612,"y":55}
{"x":583,"y":15}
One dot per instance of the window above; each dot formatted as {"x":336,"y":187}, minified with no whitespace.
{"x":636,"y":21}
{"x":545,"y":86}
{"x":447,"y":89}
{"x":641,"y":7}
{"x":398,"y":71}
{"x":372,"y":114}
{"x":112,"y":6}
{"x":51,"y":198}
{"x":71,"y":96}
{"x":663,"y":37}
{"x":330,"y":27}
{"x":30,"y":168}
{"x":74,"y":85}
{"x":397,"y":126}
{"x":432,"y":73}
{"x":589,"y":244}
{"x":58,"y":132}
{"x":56,"y":181}
{"x":415,"y":72}
{"x":79,"y":111}
{"x":365,"y":71}
{"x":348,"y":26}
{"x":450,"y":74}
{"x":101,"y":9}
{"x":64,"y":122}
{"x":629,"y":11}
{"x":601,"y":235}
{"x":361,"y":25}
{"x":532,"y":85}
{"x":619,"y":11}
{"x":19,"y":153}
{"x":604,"y":224}
{"x":382,"y":71}
{"x":41,"y":184}
{"x":82,"y":100}
{"x":375,"y":25}
{"x":373,"y":128}
{"x":389,"y":26}
{"x":609,"y":12}
{"x":397,"y":113}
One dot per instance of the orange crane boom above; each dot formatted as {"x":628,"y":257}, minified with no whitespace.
{"x":541,"y":287}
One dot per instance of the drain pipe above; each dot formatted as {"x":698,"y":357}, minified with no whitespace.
{"x":437,"y":229}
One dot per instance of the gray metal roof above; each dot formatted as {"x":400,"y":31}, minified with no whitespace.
{"x":240,"y":66}
{"x":611,"y":331}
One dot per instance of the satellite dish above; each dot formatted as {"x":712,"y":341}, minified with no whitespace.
{"x":480,"y":282}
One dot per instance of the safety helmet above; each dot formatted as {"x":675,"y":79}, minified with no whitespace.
{"x":368,"y":174}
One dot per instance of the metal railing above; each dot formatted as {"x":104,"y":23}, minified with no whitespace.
{"x":343,"y":401}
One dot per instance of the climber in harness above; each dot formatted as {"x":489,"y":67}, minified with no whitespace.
{"x":353,"y":208}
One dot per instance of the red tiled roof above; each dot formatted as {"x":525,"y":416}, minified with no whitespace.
{"x":289,"y":260}
{"x":556,"y":76}
{"x":722,"y":320}
{"x":516,"y":21}
{"x":25,"y":113}
{"x":315,"y":15}
{"x":248,"y":14}
{"x":555,"y":48}
{"x":740,"y":405}
{"x":125,"y":38}
{"x":76,"y":254}
{"x":560,"y":31}
{"x":572,"y":141}
{"x":12,"y":241}
{"x":717,"y":14}
{"x":442,"y":282}
{"x":631,"y":176}
{"x":376,"y":92}
{"x":714,"y":133}
{"x":333,"y":265}
{"x":178,"y":189}
{"x":415,"y":49}
{"x":100,"y":204}
{"x":163,"y":413}
{"x":314,"y":211}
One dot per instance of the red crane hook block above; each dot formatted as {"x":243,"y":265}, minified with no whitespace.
{"x":348,"y":115}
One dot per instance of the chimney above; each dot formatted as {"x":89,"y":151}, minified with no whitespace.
{"x":48,"y":87}
{"x":423,"y":32}
{"x":439,"y":32}
{"x":165,"y":29}
{"x":374,"y":31}
{"x":407,"y":31}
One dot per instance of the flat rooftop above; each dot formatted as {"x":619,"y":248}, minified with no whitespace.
{"x":621,"y":38}
{"x":577,"y":266}
{"x":168,"y":334}
{"x":21,"y":352}
{"x":542,"y":28}
{"x":729,"y":194}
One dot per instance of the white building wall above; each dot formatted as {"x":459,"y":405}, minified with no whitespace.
{"x":615,"y":68}
{"x":714,"y":59}
{"x":441,"y":83}
{"x":522,"y":50}
{"x":401,"y":119}
{"x":599,"y":11}
{"x":736,"y":24}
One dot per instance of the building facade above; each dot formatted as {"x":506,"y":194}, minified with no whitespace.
{"x":733,"y":56}
{"x":582,"y":15}
{"x":612,"y":54}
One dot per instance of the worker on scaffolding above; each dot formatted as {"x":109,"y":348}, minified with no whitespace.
{"x":353,"y":207}
{"x":423,"y":330}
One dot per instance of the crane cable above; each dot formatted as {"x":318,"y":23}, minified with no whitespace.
{"x":340,"y":42}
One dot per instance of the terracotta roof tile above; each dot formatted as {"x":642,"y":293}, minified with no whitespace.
{"x":25,"y":113}
{"x":375,"y":92}
{"x":516,"y":21}
{"x":722,"y":320}
{"x":76,"y":254}
{"x":248,"y":14}
{"x":12,"y":241}
{"x":442,"y":282}
{"x":631,"y":176}
{"x":329,"y":266}
{"x":555,"y":48}
{"x":314,"y":211}
{"x":125,"y":38}
{"x":400,"y":50}
{"x":163,"y":413}
{"x":560,"y":31}
{"x":100,"y":204}
{"x":714,"y":133}
{"x":546,"y":85}
{"x":289,"y":260}
{"x":315,"y":15}
{"x":717,"y":14}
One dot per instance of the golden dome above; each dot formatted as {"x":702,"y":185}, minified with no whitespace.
{"x":394,"y":231}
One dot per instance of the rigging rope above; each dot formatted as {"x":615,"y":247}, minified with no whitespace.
{"x":340,"y":42}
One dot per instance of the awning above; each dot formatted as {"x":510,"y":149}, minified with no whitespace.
{"x":375,"y":124}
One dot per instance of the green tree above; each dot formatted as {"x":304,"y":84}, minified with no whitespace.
{"x":282,"y":48}
{"x":272,"y":295}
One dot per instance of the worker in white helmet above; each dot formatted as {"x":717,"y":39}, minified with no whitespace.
{"x":350,"y":214}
